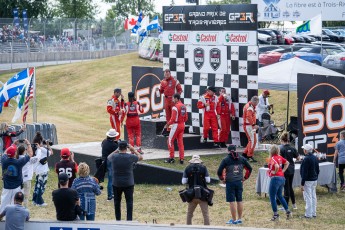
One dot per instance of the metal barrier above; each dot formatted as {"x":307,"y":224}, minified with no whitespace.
{"x":62,"y":40}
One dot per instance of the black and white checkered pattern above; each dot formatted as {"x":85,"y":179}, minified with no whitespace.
{"x":241,"y":82}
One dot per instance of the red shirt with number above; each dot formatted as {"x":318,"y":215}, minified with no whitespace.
{"x":276,"y":159}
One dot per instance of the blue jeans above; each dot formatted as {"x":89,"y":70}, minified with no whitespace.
{"x":88,"y":217}
{"x":40,"y":187}
{"x":276,"y":191}
{"x":110,"y":179}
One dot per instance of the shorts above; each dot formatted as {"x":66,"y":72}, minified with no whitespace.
{"x":234,"y":190}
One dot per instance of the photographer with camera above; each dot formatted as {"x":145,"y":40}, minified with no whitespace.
{"x":66,"y":201}
{"x":12,"y":173}
{"x":6,"y":135}
{"x":196,"y":176}
{"x":42,"y":152}
{"x":123,"y":178}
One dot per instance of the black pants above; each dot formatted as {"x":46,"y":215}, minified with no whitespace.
{"x":288,"y":189}
{"x":128,"y":191}
{"x":341,"y":173}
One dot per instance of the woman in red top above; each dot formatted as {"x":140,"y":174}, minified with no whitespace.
{"x":276,"y":172}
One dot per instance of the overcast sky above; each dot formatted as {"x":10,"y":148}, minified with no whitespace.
{"x":159,"y":3}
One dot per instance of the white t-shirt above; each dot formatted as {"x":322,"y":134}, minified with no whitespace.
{"x":28,"y":169}
{"x":40,"y":154}
{"x":262,"y":107}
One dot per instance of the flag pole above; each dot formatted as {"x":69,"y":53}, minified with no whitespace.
{"x":34,"y":107}
{"x":321,"y":40}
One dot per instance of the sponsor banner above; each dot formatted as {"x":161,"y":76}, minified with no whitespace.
{"x":206,"y":38}
{"x":207,"y":59}
{"x":172,"y":37}
{"x":240,"y":38}
{"x":145,"y":83}
{"x":287,"y":10}
{"x":210,"y":17}
{"x":321,"y":105}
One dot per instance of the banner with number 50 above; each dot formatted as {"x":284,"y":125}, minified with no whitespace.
{"x":321,"y":110}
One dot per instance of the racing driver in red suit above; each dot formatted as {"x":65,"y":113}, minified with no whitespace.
{"x":208,"y":102}
{"x":225,"y":110}
{"x":169,"y":86}
{"x":177,"y":124}
{"x":250,"y":127}
{"x":132,"y":109}
{"x":115,"y":109}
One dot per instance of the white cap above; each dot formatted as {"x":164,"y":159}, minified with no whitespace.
{"x":307,"y":147}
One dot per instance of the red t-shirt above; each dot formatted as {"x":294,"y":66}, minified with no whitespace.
{"x":276,"y":159}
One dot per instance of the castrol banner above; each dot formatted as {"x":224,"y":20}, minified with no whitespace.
{"x":230,"y":38}
{"x":206,"y":38}
{"x":321,"y":109}
{"x":176,"y":37}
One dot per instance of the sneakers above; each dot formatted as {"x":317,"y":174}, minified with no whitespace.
{"x":275,"y":217}
{"x":181,"y":161}
{"x":231,"y":221}
{"x":288,"y":215}
{"x":294,"y":206}
{"x":109,"y":198}
{"x":42,"y":205}
{"x":140,"y":151}
{"x":222,"y":145}
{"x":342,"y":188}
{"x":281,"y":209}
{"x":170,"y":161}
{"x":239,"y":221}
{"x":252,"y":159}
{"x":203,"y":140}
{"x":216,"y":145}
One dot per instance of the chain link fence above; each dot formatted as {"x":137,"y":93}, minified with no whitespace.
{"x":57,"y":39}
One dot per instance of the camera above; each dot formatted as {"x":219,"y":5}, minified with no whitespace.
{"x":21,"y":140}
{"x":47,"y":141}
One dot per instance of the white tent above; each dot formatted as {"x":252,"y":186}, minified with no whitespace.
{"x":283,"y":75}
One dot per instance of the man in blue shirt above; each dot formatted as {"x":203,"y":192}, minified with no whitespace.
{"x":340,"y":154}
{"x":16,"y":214}
{"x":12,"y":173}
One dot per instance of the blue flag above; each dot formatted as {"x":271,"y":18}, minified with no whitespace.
{"x":138,"y":25}
{"x":13,"y":86}
{"x":15,"y":17}
{"x":25,"y":21}
{"x":153,"y":24}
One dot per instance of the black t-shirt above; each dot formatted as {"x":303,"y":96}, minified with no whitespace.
{"x":68,"y":167}
{"x":289,"y":152}
{"x":108,"y":146}
{"x":65,"y":201}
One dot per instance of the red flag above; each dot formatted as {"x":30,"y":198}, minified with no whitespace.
{"x":126,"y":24}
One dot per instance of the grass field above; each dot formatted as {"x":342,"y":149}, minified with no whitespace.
{"x":74,"y":98}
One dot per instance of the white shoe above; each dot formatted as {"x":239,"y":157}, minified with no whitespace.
{"x":294,"y":206}
{"x":42,"y":205}
{"x":281,"y":209}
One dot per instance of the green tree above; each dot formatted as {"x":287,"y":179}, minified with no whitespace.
{"x":82,"y":9}
{"x":35,"y":8}
{"x":124,"y":8}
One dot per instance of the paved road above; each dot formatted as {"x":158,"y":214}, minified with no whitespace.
{"x":35,"y":64}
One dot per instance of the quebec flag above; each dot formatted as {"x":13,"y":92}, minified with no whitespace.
{"x":138,"y":25}
{"x":154,"y":24}
{"x":13,"y":86}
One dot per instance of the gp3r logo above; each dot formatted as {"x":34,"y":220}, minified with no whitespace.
{"x":242,"y":17}
{"x":323,"y":118}
{"x":175,"y":18}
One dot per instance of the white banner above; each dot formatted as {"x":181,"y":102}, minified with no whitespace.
{"x":295,"y":10}
{"x":239,"y":38}
{"x":176,"y":37}
{"x":207,"y":59}
{"x":206,"y":37}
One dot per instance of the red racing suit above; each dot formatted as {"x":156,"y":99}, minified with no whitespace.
{"x":169,"y":86}
{"x":114,"y":108}
{"x":210,"y":115}
{"x":249,"y":121}
{"x":132,"y":110}
{"x":225,"y":108}
{"x":177,"y":122}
